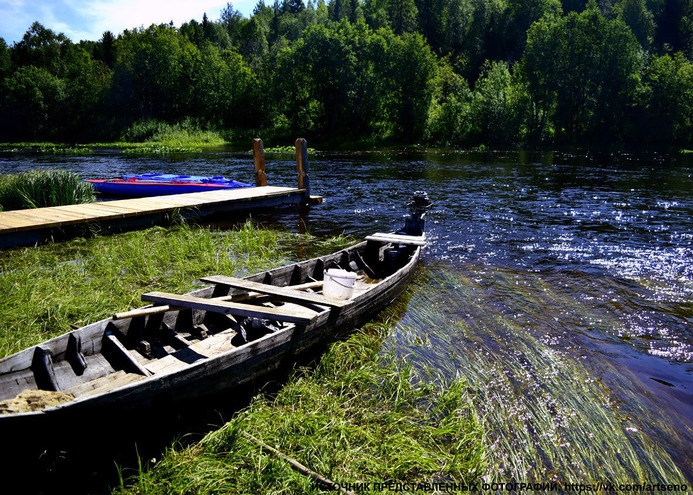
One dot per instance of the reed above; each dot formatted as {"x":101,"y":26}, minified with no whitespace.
{"x":546,"y":419}
{"x":40,"y":188}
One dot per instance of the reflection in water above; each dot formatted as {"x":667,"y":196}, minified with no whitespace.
{"x":560,"y":286}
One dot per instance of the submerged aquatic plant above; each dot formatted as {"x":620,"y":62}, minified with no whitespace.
{"x":546,"y":419}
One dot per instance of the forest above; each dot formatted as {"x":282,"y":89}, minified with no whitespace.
{"x":497,"y":73}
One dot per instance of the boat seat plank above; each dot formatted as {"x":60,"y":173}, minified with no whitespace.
{"x":123,"y":353}
{"x":284,"y":293}
{"x":227,"y":307}
{"x":411,"y":240}
{"x":154,"y":310}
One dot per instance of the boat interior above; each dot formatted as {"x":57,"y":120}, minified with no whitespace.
{"x":176,"y":331}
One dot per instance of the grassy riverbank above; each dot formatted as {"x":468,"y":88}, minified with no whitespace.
{"x":356,"y":417}
{"x":48,"y":289}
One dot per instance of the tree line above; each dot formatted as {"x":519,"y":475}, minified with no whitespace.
{"x":442,"y":72}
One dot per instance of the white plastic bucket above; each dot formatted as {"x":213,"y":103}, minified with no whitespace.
{"x":338,"y":283}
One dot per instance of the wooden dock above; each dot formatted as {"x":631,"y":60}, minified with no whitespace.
{"x":32,"y":226}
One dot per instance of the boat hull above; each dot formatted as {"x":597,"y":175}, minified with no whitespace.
{"x":206,"y":374}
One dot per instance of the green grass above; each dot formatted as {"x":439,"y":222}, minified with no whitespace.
{"x":40,"y":188}
{"x":356,"y":418}
{"x":47,"y":289}
{"x":48,"y":148}
{"x":153,"y":136}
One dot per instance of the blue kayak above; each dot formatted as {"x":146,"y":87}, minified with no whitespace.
{"x":141,"y":185}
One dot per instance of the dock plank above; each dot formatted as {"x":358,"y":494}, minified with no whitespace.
{"x":16,"y":224}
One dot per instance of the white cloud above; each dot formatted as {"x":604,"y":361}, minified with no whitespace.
{"x":118,"y":15}
{"x":88,"y":20}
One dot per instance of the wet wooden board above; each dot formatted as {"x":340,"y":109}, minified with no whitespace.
{"x":398,"y":239}
{"x":283,"y":293}
{"x":225,"y":307}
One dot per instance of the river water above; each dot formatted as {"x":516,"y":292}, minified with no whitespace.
{"x":558,"y":286}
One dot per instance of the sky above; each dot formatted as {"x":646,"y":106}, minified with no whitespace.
{"x":88,"y":20}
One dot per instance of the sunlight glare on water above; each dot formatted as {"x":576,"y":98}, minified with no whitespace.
{"x":560,"y":287}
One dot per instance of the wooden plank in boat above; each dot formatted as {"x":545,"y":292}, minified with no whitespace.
{"x":125,"y":354}
{"x":202,"y":349}
{"x":104,"y":384}
{"x":284,"y":293}
{"x":412,"y":240}
{"x":239,"y":309}
{"x":153,"y":310}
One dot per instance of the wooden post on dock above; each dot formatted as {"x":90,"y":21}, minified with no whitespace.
{"x":302,"y":166}
{"x":259,"y":160}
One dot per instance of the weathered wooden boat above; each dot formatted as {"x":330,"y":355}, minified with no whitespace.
{"x":229,"y":333}
{"x":141,"y":185}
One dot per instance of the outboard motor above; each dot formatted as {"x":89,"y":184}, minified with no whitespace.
{"x":414,"y":223}
{"x":395,"y":257}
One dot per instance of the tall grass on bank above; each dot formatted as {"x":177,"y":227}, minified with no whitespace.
{"x":40,"y":188}
{"x":158,"y":136}
{"x":47,"y":289}
{"x":357,"y":419}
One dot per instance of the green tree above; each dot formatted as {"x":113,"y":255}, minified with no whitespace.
{"x":675,"y":28}
{"x":639,"y":18}
{"x":411,"y":85}
{"x":33,"y":104}
{"x":497,"y":106}
{"x":5,"y":60}
{"x":253,"y":44}
{"x":153,"y":70}
{"x":43,"y":48}
{"x":450,"y":117}
{"x":87,"y":82}
{"x":64,"y":98}
{"x":521,"y":15}
{"x":668,"y":83}
{"x":314,"y":78}
{"x":403,"y":16}
{"x":582,"y":72}
{"x":104,"y":49}
{"x":432,"y":20}
{"x":475,"y":31}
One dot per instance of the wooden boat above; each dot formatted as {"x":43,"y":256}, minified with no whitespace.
{"x":141,"y":185}
{"x":229,"y":333}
